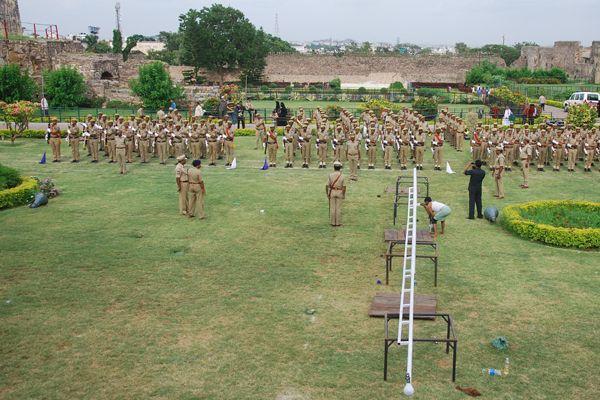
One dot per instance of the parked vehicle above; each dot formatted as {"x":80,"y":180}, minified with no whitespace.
{"x":591,"y":98}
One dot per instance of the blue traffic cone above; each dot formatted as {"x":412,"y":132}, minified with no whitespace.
{"x":43,"y":160}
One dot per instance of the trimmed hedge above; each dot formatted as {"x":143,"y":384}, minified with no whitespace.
{"x":584,"y":238}
{"x":28,"y":133}
{"x":19,"y":195}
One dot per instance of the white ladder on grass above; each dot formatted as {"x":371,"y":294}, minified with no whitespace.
{"x":405,"y":324}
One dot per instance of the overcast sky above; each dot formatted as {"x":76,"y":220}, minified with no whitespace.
{"x":423,"y":22}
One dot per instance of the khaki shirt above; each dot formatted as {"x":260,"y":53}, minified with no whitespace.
{"x":181,"y":172}
{"x":194,"y":175}
{"x":120,"y":142}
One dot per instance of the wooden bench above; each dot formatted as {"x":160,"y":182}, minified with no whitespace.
{"x":395,"y":237}
{"x":389,"y":304}
{"x":450,"y":340}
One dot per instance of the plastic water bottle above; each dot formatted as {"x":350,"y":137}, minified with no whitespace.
{"x":491,"y":372}
{"x":506,"y":366}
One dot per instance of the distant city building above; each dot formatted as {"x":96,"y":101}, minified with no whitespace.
{"x":145,"y":47}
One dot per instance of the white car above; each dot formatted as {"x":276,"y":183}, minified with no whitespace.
{"x":580,"y":98}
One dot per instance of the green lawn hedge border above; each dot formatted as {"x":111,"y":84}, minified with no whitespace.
{"x":588,"y":238}
{"x":19,"y":195}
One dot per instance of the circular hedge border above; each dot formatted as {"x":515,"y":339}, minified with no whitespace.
{"x":583,"y":238}
{"x":19,"y":195}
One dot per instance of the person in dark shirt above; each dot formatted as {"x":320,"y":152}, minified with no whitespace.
{"x":476,"y":175}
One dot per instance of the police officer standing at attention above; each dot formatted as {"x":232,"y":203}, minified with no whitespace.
{"x":475,"y":181}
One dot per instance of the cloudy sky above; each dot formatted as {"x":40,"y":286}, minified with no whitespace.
{"x":424,"y":22}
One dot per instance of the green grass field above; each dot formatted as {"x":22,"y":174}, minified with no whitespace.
{"x":108,"y":293}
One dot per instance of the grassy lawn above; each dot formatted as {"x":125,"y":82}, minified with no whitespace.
{"x":107,"y":293}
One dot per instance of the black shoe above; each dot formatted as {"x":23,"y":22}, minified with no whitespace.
{"x":480,"y":216}
{"x":94,"y":161}
{"x":73,"y":161}
{"x":470,"y":218}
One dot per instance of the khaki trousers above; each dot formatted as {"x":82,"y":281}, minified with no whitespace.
{"x":353,"y":161}
{"x":162,"y":151}
{"x":196,"y":201}
{"x":272,"y":153}
{"x":335,"y":207}
{"x":55,"y":146}
{"x":419,"y":152}
{"x":183,"y":198}
{"x":94,"y":149}
{"x":229,"y":151}
{"x":143,"y":145}
{"x":121,"y":157}
{"x":438,"y":156}
{"x":75,"y":148}
{"x":525,"y":171}
{"x":195,"y":148}
{"x":499,"y":186}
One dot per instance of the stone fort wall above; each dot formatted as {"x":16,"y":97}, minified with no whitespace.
{"x":579,"y":62}
{"x":354,"y":69}
{"x":9,"y":13}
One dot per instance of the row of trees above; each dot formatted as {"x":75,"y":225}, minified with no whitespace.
{"x":221,"y":40}
{"x":66,"y":87}
{"x":508,"y":53}
{"x":63,"y":87}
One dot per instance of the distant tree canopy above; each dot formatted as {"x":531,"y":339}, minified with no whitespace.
{"x":154,"y":86}
{"x":508,"y":53}
{"x":221,"y":39}
{"x":117,"y":42}
{"x":15,"y":84}
{"x":95,"y":46}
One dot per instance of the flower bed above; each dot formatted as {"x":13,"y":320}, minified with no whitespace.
{"x":19,"y":195}
{"x":556,"y":222}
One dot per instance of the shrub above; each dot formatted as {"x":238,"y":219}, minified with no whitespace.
{"x":397,"y":87}
{"x":377,"y":105}
{"x":28,"y":133}
{"x":211,"y":104}
{"x":425,"y":106}
{"x":65,"y":87}
{"x":361,"y":90}
{"x":521,"y":220}
{"x":333,"y":111}
{"x":9,"y":177}
{"x":427,"y":92}
{"x":245,"y":132}
{"x":122,"y":104}
{"x":503,"y":96}
{"x":335,"y":83}
{"x":17,"y":116}
{"x":582,"y":116}
{"x":384,"y":90}
{"x":16,"y":84}
{"x":154,"y":86}
{"x":18,"y":195}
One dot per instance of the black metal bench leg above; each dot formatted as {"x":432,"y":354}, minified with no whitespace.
{"x":385,"y":359}
{"x":454,"y":350}
{"x":435,"y":267}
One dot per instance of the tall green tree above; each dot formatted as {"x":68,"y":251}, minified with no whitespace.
{"x":117,"y":42}
{"x":461,"y":48}
{"x":221,"y":39}
{"x":277,"y":45}
{"x":508,"y":53}
{"x":132,"y":41}
{"x":65,"y":87}
{"x":154,"y":86}
{"x":16,"y":84}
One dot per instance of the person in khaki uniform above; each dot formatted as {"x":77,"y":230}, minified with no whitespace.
{"x":203,"y":131}
{"x":322,"y":139}
{"x":353,"y":154}
{"x":557,"y":151}
{"x":143,"y":142}
{"x":371,"y":142}
{"x":121,"y":150}
{"x":197,"y":191}
{"x":129,"y":132}
{"x":499,"y":173}
{"x":195,"y":141}
{"x":95,"y":132}
{"x":74,"y":134}
{"x":161,"y":143}
{"x":571,"y":151}
{"x":387,"y":143}
{"x":288,"y":146}
{"x":229,"y":146}
{"x":54,"y":138}
{"x":111,"y":132}
{"x":336,"y":192}
{"x":437,"y":143}
{"x":272,"y":146}
{"x":338,"y":144}
{"x":404,"y":143}
{"x":589,"y":149}
{"x":260,"y":131}
{"x":182,"y":180}
{"x":525,"y":153}
{"x":211,"y":138}
{"x":304,"y":137}
{"x":419,"y":143}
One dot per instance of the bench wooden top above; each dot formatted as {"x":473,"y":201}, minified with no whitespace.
{"x":390,"y":303}
{"x":392,"y":189}
{"x":399,"y":235}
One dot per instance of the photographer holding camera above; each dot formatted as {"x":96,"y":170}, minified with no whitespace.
{"x":476,"y":179}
